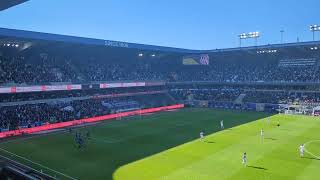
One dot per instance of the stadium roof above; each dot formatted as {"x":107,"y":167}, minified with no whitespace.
{"x":5,"y":4}
{"x":29,"y":38}
{"x":7,"y":35}
{"x":26,"y":39}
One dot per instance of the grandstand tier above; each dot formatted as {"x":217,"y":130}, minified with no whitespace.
{"x":64,"y":78}
{"x":42,"y":59}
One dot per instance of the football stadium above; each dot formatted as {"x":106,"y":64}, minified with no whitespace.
{"x":83,"y":108}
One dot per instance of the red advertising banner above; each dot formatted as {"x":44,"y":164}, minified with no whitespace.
{"x":87,"y":120}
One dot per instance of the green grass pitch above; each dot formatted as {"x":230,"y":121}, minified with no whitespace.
{"x":166,"y":146}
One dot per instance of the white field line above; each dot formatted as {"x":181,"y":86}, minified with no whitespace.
{"x":309,"y":142}
{"x":45,"y":167}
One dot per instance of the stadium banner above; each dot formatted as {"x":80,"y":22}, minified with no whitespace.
{"x":135,"y":84}
{"x":63,"y":87}
{"x":42,"y":88}
{"x":292,"y":62}
{"x":5,"y":90}
{"x":117,"y":85}
{"x":127,"y":94}
{"x":49,"y":126}
{"x":28,"y":89}
{"x":25,"y":89}
{"x":202,"y":59}
{"x":116,"y":44}
{"x":90,"y":86}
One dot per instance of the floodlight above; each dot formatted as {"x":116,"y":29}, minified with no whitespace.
{"x":313,"y":29}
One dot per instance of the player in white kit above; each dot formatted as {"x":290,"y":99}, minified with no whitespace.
{"x":244,"y":159}
{"x":262,"y":135}
{"x":201,"y":135}
{"x":301,"y":148}
{"x":221,"y":124}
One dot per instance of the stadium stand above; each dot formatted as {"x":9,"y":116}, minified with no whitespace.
{"x":36,"y":114}
{"x":19,"y":70}
{"x":47,"y":78}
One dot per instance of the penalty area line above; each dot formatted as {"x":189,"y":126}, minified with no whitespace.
{"x":40,"y":165}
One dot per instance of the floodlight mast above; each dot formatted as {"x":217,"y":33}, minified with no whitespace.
{"x":251,"y":35}
{"x":281,"y":31}
{"x":313,"y":29}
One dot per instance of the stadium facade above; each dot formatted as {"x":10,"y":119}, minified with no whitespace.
{"x":34,"y":62}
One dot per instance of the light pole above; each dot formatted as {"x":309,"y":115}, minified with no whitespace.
{"x":250,"y":35}
{"x":313,"y":29}
{"x":282,"y":31}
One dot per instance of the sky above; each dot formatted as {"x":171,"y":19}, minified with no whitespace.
{"x":191,"y":24}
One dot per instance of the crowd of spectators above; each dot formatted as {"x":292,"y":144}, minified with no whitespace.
{"x":46,"y":69}
{"x":249,"y":95}
{"x":29,"y":115}
{"x":18,"y":70}
{"x":282,"y":97}
{"x":224,"y":95}
{"x":236,"y":72}
{"x":32,"y":96}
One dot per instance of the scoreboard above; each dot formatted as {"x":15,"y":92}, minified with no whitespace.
{"x":196,"y":59}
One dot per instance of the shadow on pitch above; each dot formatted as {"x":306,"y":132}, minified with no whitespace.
{"x":312,"y":158}
{"x":256,"y":167}
{"x":273,"y":139}
{"x":209,"y":142}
